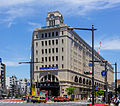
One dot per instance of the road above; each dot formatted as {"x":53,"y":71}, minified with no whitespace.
{"x":82,"y":103}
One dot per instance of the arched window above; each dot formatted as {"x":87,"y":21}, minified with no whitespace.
{"x":83,"y":80}
{"x":80,"y":80}
{"x":76,"y":79}
{"x":90,"y":82}
{"x":87,"y":81}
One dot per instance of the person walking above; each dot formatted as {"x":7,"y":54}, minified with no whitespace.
{"x":116,"y":101}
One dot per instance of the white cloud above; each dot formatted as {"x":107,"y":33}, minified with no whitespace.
{"x":110,"y":43}
{"x":34,"y":24}
{"x":12,"y":9}
{"x":11,"y":63}
{"x":10,"y":24}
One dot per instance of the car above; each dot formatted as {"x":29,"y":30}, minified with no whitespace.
{"x":60,"y":99}
{"x":23,"y":98}
{"x":33,"y":99}
{"x":90,"y":99}
{"x":99,"y":99}
{"x":38,"y":99}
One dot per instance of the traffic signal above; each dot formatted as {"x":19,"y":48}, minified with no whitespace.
{"x":88,"y":72}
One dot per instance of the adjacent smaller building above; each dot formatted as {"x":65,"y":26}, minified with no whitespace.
{"x":2,"y":78}
{"x":17,"y":86}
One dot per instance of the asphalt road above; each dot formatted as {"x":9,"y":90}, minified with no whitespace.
{"x":46,"y":104}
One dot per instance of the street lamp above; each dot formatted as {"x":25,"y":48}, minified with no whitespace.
{"x":92,"y":29}
{"x":31,"y":73}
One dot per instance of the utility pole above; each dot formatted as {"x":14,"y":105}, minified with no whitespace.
{"x":116,"y":80}
{"x":93,"y":88}
{"x":106,"y":83}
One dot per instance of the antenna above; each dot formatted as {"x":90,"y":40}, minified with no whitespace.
{"x":99,"y":47}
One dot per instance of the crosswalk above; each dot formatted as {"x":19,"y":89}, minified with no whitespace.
{"x":10,"y":102}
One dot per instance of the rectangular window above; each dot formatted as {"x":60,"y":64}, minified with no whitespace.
{"x":56,"y":41}
{"x":49,"y":58}
{"x":49,"y":34}
{"x":62,"y":32}
{"x":36,"y":52}
{"x":42,"y":43}
{"x":36,"y":67}
{"x":49,"y":50}
{"x":36,"y":36}
{"x":52,"y":58}
{"x":36,"y":59}
{"x":56,"y":33}
{"x":62,"y":41}
{"x":49,"y":42}
{"x":53,"y":42}
{"x":52,"y":50}
{"x":56,"y":65}
{"x":56,"y":50}
{"x":36,"y":44}
{"x":42,"y":51}
{"x":62,"y":49}
{"x":56,"y":58}
{"x":52,"y":34}
{"x":46,"y":51}
{"x":62,"y":58}
{"x":42,"y":35}
{"x":62,"y":65}
{"x":46,"y":35}
{"x":46,"y":59}
{"x":45,"y":43}
{"x":42,"y":59}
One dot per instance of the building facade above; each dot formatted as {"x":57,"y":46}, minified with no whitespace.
{"x":65,"y":58}
{"x":24,"y":86}
{"x":2,"y":79}
{"x":12,"y":85}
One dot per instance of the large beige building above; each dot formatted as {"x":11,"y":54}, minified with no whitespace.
{"x":65,"y":56}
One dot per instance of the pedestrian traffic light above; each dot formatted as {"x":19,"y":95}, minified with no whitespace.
{"x":88,"y":72}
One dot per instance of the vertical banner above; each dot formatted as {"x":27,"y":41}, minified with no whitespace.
{"x":33,"y":90}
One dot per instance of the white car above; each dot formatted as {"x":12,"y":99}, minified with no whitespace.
{"x":99,"y":98}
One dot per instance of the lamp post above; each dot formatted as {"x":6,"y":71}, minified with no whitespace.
{"x":92,"y":29}
{"x":31,"y":73}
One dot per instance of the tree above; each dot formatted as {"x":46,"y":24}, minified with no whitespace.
{"x":99,"y":92}
{"x":70,"y":91}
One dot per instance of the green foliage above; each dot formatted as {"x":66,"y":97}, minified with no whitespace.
{"x":99,"y":92}
{"x":70,"y":91}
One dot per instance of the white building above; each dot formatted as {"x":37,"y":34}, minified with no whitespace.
{"x":24,"y":86}
{"x":12,"y":86}
{"x":65,"y":57}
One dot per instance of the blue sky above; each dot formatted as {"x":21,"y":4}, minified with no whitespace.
{"x":18,"y":18}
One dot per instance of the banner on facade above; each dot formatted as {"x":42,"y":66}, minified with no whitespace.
{"x":33,"y":90}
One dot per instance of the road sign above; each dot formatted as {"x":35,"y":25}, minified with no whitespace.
{"x":28,"y":84}
{"x":90,"y":64}
{"x":0,"y":60}
{"x":103,"y":73}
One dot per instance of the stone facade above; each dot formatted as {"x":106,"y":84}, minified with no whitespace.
{"x":64,"y":55}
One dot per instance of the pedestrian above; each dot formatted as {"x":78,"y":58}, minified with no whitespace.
{"x":116,"y":101}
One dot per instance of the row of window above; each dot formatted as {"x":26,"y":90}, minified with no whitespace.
{"x":50,"y":50}
{"x":53,"y":58}
{"x":85,"y":81}
{"x":50,"y":42}
{"x":49,"y":34}
{"x":50,"y":66}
